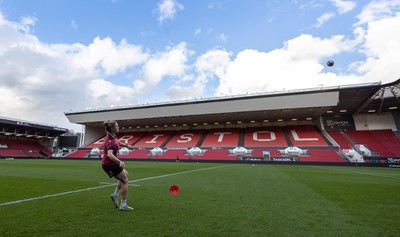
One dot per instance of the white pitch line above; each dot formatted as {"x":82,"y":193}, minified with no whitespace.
{"x":183,"y":172}
{"x":54,"y":195}
{"x":104,"y":186}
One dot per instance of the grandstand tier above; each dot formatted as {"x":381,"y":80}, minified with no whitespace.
{"x":328,"y":155}
{"x":302,"y":136}
{"x":173,"y":155}
{"x":22,"y":148}
{"x":185,"y":139}
{"x":265,"y":137}
{"x":80,"y":153}
{"x":218,"y":154}
{"x":154,"y":139}
{"x":138,"y":154}
{"x":221,"y":138}
{"x":340,"y":139}
{"x":319,"y":124}
{"x":383,"y":143}
{"x":218,"y":144}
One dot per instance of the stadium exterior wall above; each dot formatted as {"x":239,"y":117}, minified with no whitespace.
{"x":396,"y":116}
{"x":92,"y":134}
{"x":375,"y":122}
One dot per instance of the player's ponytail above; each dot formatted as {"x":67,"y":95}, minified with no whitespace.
{"x":108,"y":125}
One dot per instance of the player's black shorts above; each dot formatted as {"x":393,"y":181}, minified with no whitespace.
{"x":112,"y":170}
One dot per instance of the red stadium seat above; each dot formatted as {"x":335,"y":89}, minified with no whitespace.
{"x":302,"y":136}
{"x":23,"y":148}
{"x":80,"y":153}
{"x":340,"y":139}
{"x":173,"y":154}
{"x":128,"y":138}
{"x":153,"y":139}
{"x":322,"y":156}
{"x":222,"y":138}
{"x":264,"y":137}
{"x":185,"y":139}
{"x":382,"y":142}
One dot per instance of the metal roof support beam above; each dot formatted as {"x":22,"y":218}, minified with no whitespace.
{"x":382,"y":99}
{"x":394,"y":94}
{"x":366,"y":102}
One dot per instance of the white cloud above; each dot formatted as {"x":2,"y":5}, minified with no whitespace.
{"x":14,"y":32}
{"x":208,"y":66}
{"x":172,"y":62}
{"x":378,"y":29}
{"x":74,"y":25}
{"x":104,"y":93}
{"x":17,"y":107}
{"x":28,"y":21}
{"x":323,"y":19}
{"x":197,"y":31}
{"x":214,"y":5}
{"x":296,"y":65}
{"x":177,"y":92}
{"x":310,"y":5}
{"x":299,"y":64}
{"x":377,"y":10}
{"x":213,"y":63}
{"x":167,"y":10}
{"x":42,"y":79}
{"x":344,"y":6}
{"x":222,"y":37}
{"x":382,"y":47}
{"x":111,"y":57}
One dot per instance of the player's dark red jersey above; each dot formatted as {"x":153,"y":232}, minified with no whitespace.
{"x":110,"y":143}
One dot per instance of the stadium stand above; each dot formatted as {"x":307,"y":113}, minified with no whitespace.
{"x":383,"y":143}
{"x":326,"y":155}
{"x":265,"y":137}
{"x":25,"y":139}
{"x":340,"y":139}
{"x":23,"y":148}
{"x":80,"y":153}
{"x":221,"y":138}
{"x":173,"y":154}
{"x":129,"y":138}
{"x":316,"y":125}
{"x":185,"y":139}
{"x":306,"y":136}
{"x":153,"y":139}
{"x":12,"y":153}
{"x":97,"y":144}
{"x":138,"y":154}
{"x":259,"y":153}
{"x":217,"y":154}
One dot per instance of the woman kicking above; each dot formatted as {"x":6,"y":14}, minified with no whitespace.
{"x":115,"y":167}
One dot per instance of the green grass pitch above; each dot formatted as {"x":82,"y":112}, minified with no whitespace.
{"x":72,"y":198}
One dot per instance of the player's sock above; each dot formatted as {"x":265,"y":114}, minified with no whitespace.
{"x":116,"y":192}
{"x":123,"y":202}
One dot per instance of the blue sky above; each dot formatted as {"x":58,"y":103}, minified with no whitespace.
{"x":58,"y":56}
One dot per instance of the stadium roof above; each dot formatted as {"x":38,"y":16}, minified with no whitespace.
{"x":20,"y":128}
{"x":271,"y":107}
